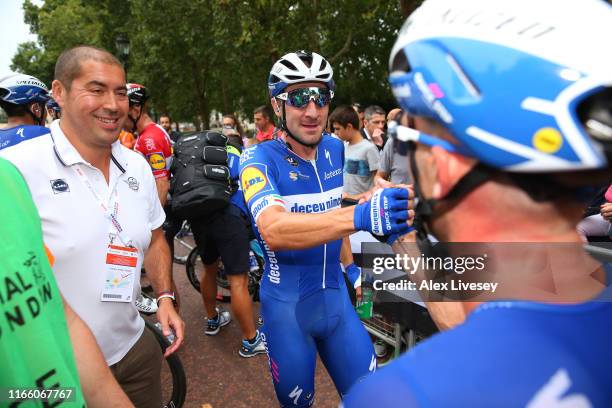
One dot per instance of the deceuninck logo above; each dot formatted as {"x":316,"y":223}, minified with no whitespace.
{"x":59,"y":186}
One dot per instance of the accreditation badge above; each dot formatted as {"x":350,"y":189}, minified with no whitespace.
{"x":121,"y":264}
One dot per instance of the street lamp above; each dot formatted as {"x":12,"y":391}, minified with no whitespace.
{"x":122,"y":43}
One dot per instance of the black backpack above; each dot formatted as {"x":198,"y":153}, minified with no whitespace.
{"x":200,"y":182}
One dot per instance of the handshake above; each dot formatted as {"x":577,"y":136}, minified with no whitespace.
{"x":386,"y":215}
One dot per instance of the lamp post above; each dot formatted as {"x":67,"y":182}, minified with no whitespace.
{"x":122,"y":43}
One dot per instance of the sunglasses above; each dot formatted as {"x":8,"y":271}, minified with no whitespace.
{"x":301,"y":97}
{"x":405,"y":138}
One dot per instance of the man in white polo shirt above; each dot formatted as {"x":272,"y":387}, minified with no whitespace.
{"x":100,"y":215}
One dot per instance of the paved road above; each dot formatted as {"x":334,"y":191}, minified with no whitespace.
{"x":217,"y":375}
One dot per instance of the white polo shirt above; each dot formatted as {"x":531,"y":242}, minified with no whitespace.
{"x":76,"y":229}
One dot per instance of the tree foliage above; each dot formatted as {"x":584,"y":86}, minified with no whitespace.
{"x":200,"y":56}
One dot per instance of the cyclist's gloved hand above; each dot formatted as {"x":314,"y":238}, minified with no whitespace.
{"x":353,"y":273}
{"x":385,"y":215}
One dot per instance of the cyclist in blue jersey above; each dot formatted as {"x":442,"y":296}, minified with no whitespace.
{"x":512,"y":120}
{"x":53,"y":108}
{"x":23,"y":98}
{"x":293,"y":191}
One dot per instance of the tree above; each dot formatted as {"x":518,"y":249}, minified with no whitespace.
{"x":201,"y":56}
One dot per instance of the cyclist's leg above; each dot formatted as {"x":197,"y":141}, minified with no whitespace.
{"x":291,"y":353}
{"x":209,"y":254}
{"x":348,"y":353}
{"x":233,"y":244}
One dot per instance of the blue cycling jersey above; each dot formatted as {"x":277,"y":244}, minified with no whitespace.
{"x":271,"y":174}
{"x":15,"y":135}
{"x":507,"y":354}
{"x":304,"y":300}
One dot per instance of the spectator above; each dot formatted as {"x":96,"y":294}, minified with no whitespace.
{"x":100,"y":215}
{"x":393,"y":166}
{"x":361,"y":158}
{"x":359,"y":109}
{"x":374,"y":125}
{"x":166,"y":123}
{"x":233,"y":130}
{"x":264,"y":123}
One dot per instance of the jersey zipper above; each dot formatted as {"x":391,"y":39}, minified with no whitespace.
{"x":314,"y":164}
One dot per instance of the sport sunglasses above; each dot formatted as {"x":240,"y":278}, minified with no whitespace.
{"x":301,"y":97}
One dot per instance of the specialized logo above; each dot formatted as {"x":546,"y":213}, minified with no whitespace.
{"x":291,"y":160}
{"x":328,"y":157}
{"x":59,"y":186}
{"x":132,"y":183}
{"x":20,"y":133}
{"x":157,"y":161}
{"x":253,"y":181}
{"x":372,"y":367}
{"x":547,"y":140}
{"x":295,"y":394}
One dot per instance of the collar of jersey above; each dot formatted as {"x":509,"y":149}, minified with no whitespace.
{"x":288,"y":148}
{"x":68,"y":155}
{"x":540,"y":307}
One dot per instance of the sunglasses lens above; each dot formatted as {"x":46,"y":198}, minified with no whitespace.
{"x":299,"y":98}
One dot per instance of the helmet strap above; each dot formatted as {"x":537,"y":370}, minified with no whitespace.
{"x":135,"y":121}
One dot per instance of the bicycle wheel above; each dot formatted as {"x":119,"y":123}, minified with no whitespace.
{"x":194,"y":267}
{"x":172,"y":372}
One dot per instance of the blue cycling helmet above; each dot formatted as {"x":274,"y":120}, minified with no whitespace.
{"x":523,"y":86}
{"x":20,"y":89}
{"x":297,"y":67}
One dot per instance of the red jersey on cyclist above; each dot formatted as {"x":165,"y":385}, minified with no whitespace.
{"x":153,"y":141}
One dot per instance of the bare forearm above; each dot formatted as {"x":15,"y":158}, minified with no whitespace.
{"x":346,"y":253}
{"x":100,"y":388}
{"x":284,"y":230}
{"x":157,"y":262}
{"x":163,"y":185}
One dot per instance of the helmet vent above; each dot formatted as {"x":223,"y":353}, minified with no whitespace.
{"x":294,"y":77}
{"x":288,"y":64}
{"x":323,"y":65}
{"x":400,"y":63}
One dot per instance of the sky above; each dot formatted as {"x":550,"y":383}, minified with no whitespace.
{"x":13,"y":31}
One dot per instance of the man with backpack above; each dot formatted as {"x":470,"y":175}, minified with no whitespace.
{"x":206,"y":191}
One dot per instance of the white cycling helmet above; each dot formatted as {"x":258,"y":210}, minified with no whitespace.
{"x":299,"y":66}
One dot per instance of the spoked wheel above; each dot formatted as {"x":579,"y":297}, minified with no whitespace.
{"x":174,"y":382}
{"x":195,"y":270}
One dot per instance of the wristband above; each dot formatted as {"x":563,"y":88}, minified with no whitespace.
{"x":164,"y":295}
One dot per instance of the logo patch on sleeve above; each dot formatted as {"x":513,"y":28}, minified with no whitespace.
{"x":253,"y":181}
{"x":157,"y":161}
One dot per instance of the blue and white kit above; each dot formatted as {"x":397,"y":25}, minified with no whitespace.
{"x":553,"y":356}
{"x":15,"y":135}
{"x":304,"y":299}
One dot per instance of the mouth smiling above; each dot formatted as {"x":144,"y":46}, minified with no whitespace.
{"x":109,"y":123}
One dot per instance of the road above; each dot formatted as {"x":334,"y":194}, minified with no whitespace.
{"x":217,"y":377}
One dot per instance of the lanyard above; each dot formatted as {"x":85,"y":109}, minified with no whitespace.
{"x":111,"y":215}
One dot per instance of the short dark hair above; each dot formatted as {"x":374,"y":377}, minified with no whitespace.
{"x":68,"y":65}
{"x":373,"y":110}
{"x":344,"y":115}
{"x":236,"y":122}
{"x":165,"y":115}
{"x":265,"y":111}
{"x":13,"y":110}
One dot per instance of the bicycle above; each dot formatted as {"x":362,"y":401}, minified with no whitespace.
{"x":194,"y":267}
{"x":182,"y":247}
{"x":172,"y":370}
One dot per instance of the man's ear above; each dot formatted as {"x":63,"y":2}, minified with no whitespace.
{"x":277,"y":109}
{"x":59,"y":92}
{"x":450,"y":169}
